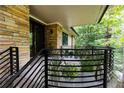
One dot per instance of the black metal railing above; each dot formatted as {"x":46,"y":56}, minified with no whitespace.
{"x":89,"y":67}
{"x":30,"y":75}
{"x":66,"y":68}
{"x":9,"y":64}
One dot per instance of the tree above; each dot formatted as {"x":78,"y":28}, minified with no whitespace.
{"x":112,"y":24}
{"x":90,"y":35}
{"x":113,"y":21}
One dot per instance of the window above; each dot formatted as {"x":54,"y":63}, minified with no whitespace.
{"x":64,"y":39}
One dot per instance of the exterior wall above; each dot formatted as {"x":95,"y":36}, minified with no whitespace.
{"x":14,"y":30}
{"x":53,"y":36}
{"x":59,"y":36}
{"x":73,"y":41}
{"x":69,"y":41}
{"x":59,"y":39}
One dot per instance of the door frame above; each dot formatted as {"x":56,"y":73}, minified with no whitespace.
{"x":34,"y":36}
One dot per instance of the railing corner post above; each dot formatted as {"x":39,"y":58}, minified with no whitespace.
{"x":17,"y":59}
{"x":11,"y":61}
{"x":46,"y":67}
{"x":105,"y":68}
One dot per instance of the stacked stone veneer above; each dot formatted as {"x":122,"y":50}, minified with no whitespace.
{"x":14,"y":30}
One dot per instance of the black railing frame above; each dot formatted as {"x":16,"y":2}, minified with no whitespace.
{"x":46,"y":53}
{"x":105,"y":68}
{"x":107,"y":52}
{"x":12,"y":59}
{"x":46,"y":67}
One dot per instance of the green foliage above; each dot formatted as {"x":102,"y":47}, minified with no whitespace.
{"x":57,"y":67}
{"x":90,"y":61}
{"x":118,"y":59}
{"x":66,"y":69}
{"x":94,"y":35}
{"x":113,"y":20}
{"x":70,"y":69}
{"x":87,"y":68}
{"x":113,"y":16}
{"x":90,"y":35}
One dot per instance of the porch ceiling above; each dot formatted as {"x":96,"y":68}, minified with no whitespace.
{"x":68,"y":15}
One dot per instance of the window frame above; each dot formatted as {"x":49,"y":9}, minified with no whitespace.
{"x":64,"y":39}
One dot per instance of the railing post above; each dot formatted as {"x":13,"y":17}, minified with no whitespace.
{"x":112,"y":59}
{"x":105,"y":68}
{"x":61,"y":51}
{"x":17,"y":59}
{"x":11,"y":61}
{"x":46,"y":67}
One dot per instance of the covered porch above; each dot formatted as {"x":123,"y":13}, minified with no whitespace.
{"x":54,"y":63}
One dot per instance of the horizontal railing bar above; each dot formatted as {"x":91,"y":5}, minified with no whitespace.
{"x":14,"y":67}
{"x":75,"y":81}
{"x":4,"y":60}
{"x":75,"y":76}
{"x":14,"y":71}
{"x":4,"y":70}
{"x":75,"y":65}
{"x":35,"y":76}
{"x":5,"y":79}
{"x":14,"y":59}
{"x":13,"y":51}
{"x":27,"y":72}
{"x":32,"y":73}
{"x":14,"y":54}
{"x":80,"y":49}
{"x":75,"y":54}
{"x":5,"y":74}
{"x":23,"y":68}
{"x":40,"y":81}
{"x":4,"y":51}
{"x":42,"y":84}
{"x":37,"y":80}
{"x":4,"y":65}
{"x":74,"y":71}
{"x":4,"y":56}
{"x":58,"y":86}
{"x":75,"y":87}
{"x":73,"y":60}
{"x":94,"y":85}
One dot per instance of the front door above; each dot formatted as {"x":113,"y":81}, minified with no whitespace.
{"x":37,"y":37}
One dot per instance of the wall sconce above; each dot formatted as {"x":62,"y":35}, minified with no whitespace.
{"x":51,"y":31}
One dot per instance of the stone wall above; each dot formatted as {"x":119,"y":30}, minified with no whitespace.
{"x":53,"y":36}
{"x":14,"y":30}
{"x":51,"y":33}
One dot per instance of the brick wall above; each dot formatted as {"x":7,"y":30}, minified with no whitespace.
{"x":14,"y":30}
